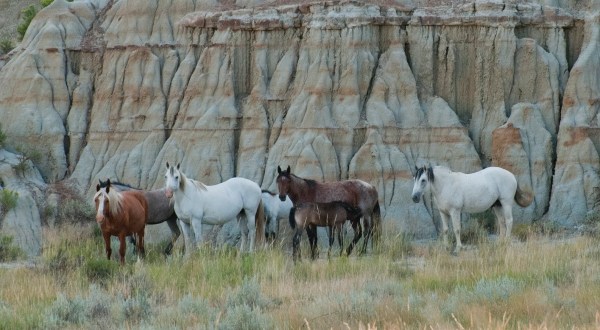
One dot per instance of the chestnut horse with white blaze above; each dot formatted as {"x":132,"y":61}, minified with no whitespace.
{"x":121,"y":214}
{"x":356,"y":193}
{"x":456,"y":192}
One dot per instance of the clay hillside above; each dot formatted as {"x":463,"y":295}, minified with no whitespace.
{"x":335,"y":89}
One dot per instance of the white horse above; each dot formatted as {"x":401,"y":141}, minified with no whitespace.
{"x":456,"y":192}
{"x":275,"y":209}
{"x":196,"y":203}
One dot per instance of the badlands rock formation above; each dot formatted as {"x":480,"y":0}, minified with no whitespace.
{"x":335,"y":89}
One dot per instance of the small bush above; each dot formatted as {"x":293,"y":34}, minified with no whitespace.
{"x":28,"y":13}
{"x":2,"y":137}
{"x":74,"y":211}
{"x":100,"y":270}
{"x":522,"y":231}
{"x":244,"y":317}
{"x":8,"y":251}
{"x":248,"y":294}
{"x":65,"y":311}
{"x":6,"y":45}
{"x":80,"y":311}
{"x":8,"y":200}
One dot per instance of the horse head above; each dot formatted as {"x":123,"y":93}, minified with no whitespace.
{"x":172,"y":180}
{"x":423,"y":177}
{"x":102,"y":201}
{"x":283,"y":182}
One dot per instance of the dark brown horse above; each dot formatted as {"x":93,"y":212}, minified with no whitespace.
{"x":356,"y":193}
{"x":121,"y":214}
{"x":160,"y":209}
{"x":333,"y":215}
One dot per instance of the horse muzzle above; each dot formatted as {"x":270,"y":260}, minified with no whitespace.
{"x":416,"y":198}
{"x":100,"y":219}
{"x":282,"y":198}
{"x":169,"y":193}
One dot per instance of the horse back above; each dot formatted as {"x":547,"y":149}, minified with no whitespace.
{"x":160,"y":208}
{"x":135,"y":208}
{"x":356,"y":193}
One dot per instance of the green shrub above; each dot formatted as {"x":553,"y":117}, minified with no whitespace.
{"x":27,"y":15}
{"x":6,"y":45}
{"x":8,"y":251}
{"x":248,"y":294}
{"x":8,"y":200}
{"x":2,"y":137}
{"x":74,"y":211}
{"x":100,"y":270}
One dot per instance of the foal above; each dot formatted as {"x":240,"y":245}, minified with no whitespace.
{"x":333,"y":215}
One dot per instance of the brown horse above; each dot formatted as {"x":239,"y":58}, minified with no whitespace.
{"x":121,"y":214}
{"x":333,"y":215}
{"x":356,"y":193}
{"x":160,"y":209}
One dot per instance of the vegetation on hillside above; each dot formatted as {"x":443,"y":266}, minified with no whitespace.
{"x":28,"y":14}
{"x":543,"y":282}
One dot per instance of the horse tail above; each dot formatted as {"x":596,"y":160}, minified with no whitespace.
{"x":523,"y":197}
{"x":293,"y":217}
{"x":260,"y":223}
{"x":376,"y":223}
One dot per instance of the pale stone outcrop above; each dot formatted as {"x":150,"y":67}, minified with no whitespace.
{"x":23,"y":223}
{"x":577,"y":171}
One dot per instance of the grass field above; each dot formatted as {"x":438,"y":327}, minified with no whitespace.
{"x":543,"y":282}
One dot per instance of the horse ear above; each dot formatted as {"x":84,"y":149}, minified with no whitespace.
{"x":288,"y":170}
{"x":98,"y":187}
{"x":107,"y":189}
{"x":278,"y":169}
{"x":168,"y":165}
{"x":430,"y":174}
{"x":108,"y":183}
{"x":178,"y":165}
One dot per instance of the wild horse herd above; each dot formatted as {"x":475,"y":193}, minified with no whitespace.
{"x":186,"y":204}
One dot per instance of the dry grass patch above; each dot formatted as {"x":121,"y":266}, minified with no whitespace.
{"x":543,"y":282}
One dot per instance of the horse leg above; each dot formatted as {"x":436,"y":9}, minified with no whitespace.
{"x":132,"y":242}
{"x":106,"y":237}
{"x":357,"y":234}
{"x":296,"y":244}
{"x":270,"y":232}
{"x":251,"y":225}
{"x":197,"y":227}
{"x":243,"y":223}
{"x":122,"y":246}
{"x":331,"y":232}
{"x":368,"y":232}
{"x":444,"y":216}
{"x":508,"y":220}
{"x":500,"y":221}
{"x":141,"y":251}
{"x":340,"y":228}
{"x":187,"y":237}
{"x":455,"y":215}
{"x":312,"y":239}
{"x":175,"y":232}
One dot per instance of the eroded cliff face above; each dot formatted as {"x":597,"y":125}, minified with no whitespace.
{"x":335,"y":89}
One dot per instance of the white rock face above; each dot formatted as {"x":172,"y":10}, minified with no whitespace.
{"x":335,"y":90}
{"x":22,"y":222}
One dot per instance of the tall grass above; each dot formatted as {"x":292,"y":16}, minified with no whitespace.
{"x":541,"y":283}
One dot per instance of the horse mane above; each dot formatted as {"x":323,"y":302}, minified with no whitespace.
{"x":115,"y":200}
{"x":429,"y":171}
{"x":184,"y":178}
{"x":311,"y":183}
{"x":267,"y":191}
